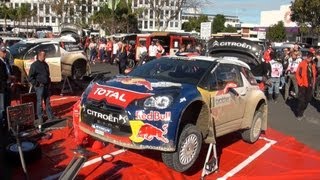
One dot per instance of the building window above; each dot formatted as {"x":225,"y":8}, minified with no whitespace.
{"x":151,"y":14}
{"x":151,"y":24}
{"x":95,"y":8}
{"x":145,"y":13}
{"x":41,"y":7}
{"x":41,"y":19}
{"x":140,"y":1}
{"x":16,"y":5}
{"x":145,"y":25}
{"x":176,"y":24}
{"x":161,"y":23}
{"x":47,"y":9}
{"x":139,"y":24}
{"x":135,"y":3}
{"x":47,"y":19}
{"x":53,"y":19}
{"x":172,"y":3}
{"x":171,"y":24}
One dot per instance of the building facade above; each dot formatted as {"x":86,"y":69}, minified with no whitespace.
{"x":147,"y":19}
{"x":233,"y":21}
{"x":45,"y":15}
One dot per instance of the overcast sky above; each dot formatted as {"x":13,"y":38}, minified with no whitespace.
{"x":247,"y":10}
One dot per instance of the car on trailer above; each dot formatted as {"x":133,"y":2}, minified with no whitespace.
{"x":64,"y":57}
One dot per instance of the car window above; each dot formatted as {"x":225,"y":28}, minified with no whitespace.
{"x":173,"y":70}
{"x":249,"y":76}
{"x":227,"y":73}
{"x":50,"y":49}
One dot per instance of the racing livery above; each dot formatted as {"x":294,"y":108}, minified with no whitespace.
{"x":173,"y":105}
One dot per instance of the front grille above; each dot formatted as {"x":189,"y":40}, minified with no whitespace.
{"x":106,"y":116}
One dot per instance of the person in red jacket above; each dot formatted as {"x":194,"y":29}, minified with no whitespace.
{"x":306,"y":78}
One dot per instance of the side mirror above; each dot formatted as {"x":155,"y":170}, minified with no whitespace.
{"x":230,"y":88}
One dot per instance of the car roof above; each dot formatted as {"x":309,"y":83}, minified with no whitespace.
{"x":220,"y":60}
{"x":44,"y":40}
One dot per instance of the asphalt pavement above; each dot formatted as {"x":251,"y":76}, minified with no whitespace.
{"x":281,"y":114}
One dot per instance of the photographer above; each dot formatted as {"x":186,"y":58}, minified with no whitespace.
{"x":39,"y":77}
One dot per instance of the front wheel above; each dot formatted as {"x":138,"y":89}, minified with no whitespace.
{"x":251,"y":135}
{"x":188,"y":149}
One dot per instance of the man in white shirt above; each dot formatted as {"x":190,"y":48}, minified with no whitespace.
{"x":152,"y":50}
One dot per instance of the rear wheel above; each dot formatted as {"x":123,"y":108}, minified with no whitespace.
{"x":251,"y":135}
{"x":79,"y":69}
{"x":188,"y":149}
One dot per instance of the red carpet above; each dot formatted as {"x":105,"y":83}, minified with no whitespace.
{"x":282,"y":157}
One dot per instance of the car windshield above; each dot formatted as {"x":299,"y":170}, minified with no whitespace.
{"x":20,"y":48}
{"x":178,"y":70}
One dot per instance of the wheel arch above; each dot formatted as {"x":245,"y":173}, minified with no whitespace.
{"x":196,"y":113}
{"x":261,"y":105}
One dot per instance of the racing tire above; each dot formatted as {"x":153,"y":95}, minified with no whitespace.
{"x":252,"y":134}
{"x":31,"y":152}
{"x":189,"y":146}
{"x":78,"y":69}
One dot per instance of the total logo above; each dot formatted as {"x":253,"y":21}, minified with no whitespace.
{"x":110,"y":94}
{"x":153,"y":116}
{"x":116,"y":96}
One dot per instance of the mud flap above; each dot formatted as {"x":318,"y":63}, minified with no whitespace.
{"x":211,"y":163}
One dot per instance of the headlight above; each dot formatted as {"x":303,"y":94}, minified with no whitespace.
{"x":159,"y":102}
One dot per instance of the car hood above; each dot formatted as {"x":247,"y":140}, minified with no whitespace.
{"x":122,"y":90}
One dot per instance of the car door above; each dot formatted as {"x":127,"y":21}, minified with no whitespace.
{"x":227,"y":104}
{"x":52,"y":58}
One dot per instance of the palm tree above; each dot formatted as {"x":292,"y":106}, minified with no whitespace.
{"x":5,"y":13}
{"x":23,"y":12}
{"x":14,"y":15}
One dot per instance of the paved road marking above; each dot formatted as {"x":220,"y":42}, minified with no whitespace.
{"x":251,"y":158}
{"x":90,"y":162}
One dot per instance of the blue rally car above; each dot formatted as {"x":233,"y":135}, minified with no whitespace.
{"x":173,"y":105}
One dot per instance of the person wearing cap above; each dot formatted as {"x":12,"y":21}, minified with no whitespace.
{"x":306,"y":78}
{"x":4,"y":89}
{"x":39,"y":77}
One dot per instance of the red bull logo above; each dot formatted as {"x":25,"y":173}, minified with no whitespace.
{"x":153,"y":116}
{"x":116,"y":96}
{"x":136,"y":81}
{"x":149,"y":132}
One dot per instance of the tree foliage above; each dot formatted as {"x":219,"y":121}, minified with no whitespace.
{"x":169,"y":10}
{"x":277,"y":32}
{"x":306,"y":13}
{"x":230,"y":29}
{"x":117,"y":19}
{"x":194,"y":23}
{"x":218,"y":24}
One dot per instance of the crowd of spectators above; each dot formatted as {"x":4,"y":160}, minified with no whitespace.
{"x":296,"y":75}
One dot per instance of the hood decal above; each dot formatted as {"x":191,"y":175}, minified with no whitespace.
{"x":135,"y":81}
{"x":115,"y":96}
